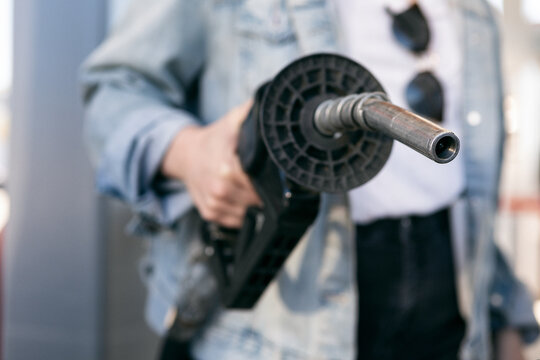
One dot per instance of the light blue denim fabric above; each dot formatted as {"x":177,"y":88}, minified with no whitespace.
{"x":139,"y":90}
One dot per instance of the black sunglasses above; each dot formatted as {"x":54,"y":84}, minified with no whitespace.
{"x":424,"y":93}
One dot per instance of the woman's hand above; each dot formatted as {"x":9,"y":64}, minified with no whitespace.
{"x":205,"y":159}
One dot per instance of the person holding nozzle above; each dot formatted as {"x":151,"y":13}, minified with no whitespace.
{"x":404,"y":266}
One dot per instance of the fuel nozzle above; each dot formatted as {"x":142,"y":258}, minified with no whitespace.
{"x":372,"y":111}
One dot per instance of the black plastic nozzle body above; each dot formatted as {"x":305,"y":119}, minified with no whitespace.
{"x":245,"y":261}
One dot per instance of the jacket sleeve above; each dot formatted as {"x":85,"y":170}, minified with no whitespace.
{"x":135,"y":91}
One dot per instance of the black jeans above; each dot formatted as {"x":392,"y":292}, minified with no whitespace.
{"x":407,"y":304}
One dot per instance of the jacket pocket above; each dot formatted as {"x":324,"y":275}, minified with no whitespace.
{"x":266,"y":41}
{"x":266,"y":21}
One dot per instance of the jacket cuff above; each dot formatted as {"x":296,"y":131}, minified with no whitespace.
{"x":129,"y":166}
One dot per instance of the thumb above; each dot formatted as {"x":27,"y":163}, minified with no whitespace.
{"x":238,"y":114}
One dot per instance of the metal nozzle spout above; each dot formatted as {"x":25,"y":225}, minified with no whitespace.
{"x":418,"y":133}
{"x":373,"y":112}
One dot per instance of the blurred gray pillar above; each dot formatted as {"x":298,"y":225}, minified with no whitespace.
{"x":54,"y":255}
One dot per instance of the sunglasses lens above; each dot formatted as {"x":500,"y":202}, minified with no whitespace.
{"x":424,"y":93}
{"x":425,"y":96}
{"x":411,"y":29}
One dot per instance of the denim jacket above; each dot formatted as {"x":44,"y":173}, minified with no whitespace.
{"x":173,"y":63}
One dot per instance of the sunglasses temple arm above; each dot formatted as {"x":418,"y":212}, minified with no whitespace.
{"x":373,"y":112}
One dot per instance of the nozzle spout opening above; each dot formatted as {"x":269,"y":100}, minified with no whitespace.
{"x":446,"y":148}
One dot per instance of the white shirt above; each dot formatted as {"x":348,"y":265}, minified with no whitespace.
{"x":409,"y":184}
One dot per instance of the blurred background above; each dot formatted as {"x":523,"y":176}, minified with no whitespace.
{"x":69,"y":285}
